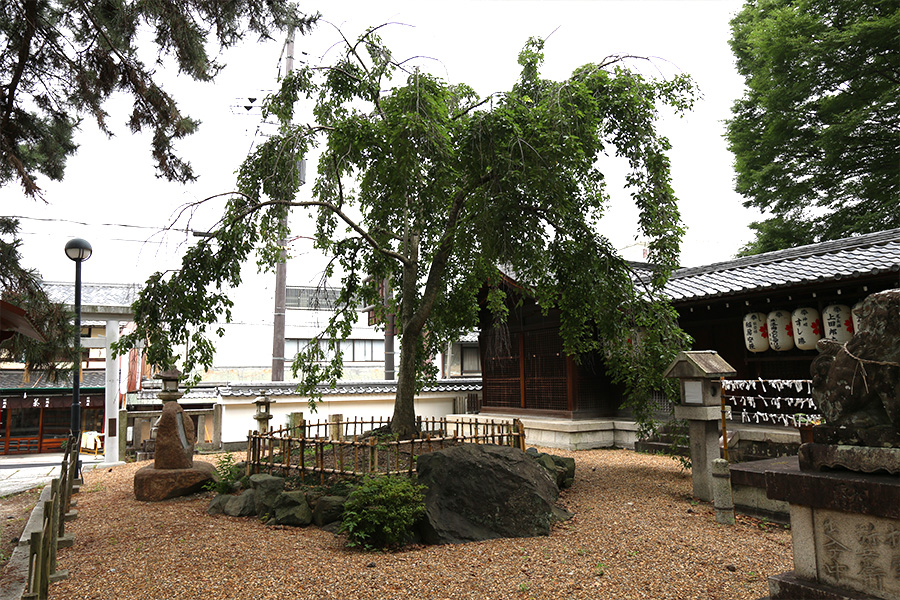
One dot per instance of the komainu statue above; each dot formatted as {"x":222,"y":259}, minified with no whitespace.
{"x":857,"y":385}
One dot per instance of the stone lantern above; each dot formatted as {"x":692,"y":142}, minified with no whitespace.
{"x":170,"y":381}
{"x":700,"y":373}
{"x":263,"y":413}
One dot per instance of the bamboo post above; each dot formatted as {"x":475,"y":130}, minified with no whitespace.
{"x":371,"y":466}
{"x":302,"y":459}
{"x":397,"y":456}
{"x":521,"y":431}
{"x":287,"y":456}
{"x":249,"y":452}
{"x":335,"y":427}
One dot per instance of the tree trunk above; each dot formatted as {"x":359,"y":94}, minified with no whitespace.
{"x":403,"y":423}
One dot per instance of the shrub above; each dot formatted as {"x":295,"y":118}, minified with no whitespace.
{"x":228,"y":473}
{"x":382,"y":511}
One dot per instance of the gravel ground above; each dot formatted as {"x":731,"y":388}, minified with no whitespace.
{"x":636,"y":534}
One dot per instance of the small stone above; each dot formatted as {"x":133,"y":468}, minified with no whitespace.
{"x":371,"y":565}
{"x":731,"y":568}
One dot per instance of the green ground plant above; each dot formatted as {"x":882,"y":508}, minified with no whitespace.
{"x":229,"y":473}
{"x":382,"y":512}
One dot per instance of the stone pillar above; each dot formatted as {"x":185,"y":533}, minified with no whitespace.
{"x":217,"y":426}
{"x":123,"y":432}
{"x":111,"y":412}
{"x":722,"y":498}
{"x":703,"y":427}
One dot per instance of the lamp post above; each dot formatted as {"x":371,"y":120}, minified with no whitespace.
{"x":78,"y":250}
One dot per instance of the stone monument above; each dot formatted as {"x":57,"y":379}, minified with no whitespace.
{"x":173,"y":472}
{"x":845,"y":497}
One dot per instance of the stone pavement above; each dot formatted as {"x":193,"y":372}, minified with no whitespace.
{"x":20,"y":472}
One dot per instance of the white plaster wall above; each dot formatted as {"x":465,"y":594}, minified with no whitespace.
{"x":238,"y":413}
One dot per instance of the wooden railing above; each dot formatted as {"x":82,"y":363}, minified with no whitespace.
{"x":357,"y":448}
{"x":48,"y":535}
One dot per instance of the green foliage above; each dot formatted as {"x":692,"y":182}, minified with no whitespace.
{"x":425,"y":185}
{"x":22,"y":288}
{"x":382,"y":511}
{"x":229,"y":473}
{"x":61,"y":60}
{"x":816,"y":136}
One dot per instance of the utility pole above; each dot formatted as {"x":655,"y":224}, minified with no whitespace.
{"x":281,"y":267}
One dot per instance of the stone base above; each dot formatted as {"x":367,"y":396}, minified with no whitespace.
{"x":845,"y":532}
{"x":862,"y":459}
{"x":152,"y":484}
{"x":788,"y":586}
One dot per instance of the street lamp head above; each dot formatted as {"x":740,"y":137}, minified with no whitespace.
{"x":78,"y":249}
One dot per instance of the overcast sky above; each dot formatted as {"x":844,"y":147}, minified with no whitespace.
{"x":112,"y":198}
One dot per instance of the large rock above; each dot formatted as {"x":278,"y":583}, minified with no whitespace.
{"x":560,"y":467}
{"x":153,"y":485}
{"x":329,"y":509}
{"x":857,"y":385}
{"x":267,"y":488}
{"x":242,"y":505}
{"x":175,"y":439}
{"x":291,"y":508}
{"x":479,"y":492}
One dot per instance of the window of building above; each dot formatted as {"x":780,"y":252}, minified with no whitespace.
{"x":471,"y":360}
{"x":353,"y":350}
{"x":311,"y":298}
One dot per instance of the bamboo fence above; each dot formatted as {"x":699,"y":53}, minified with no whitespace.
{"x":354,"y":448}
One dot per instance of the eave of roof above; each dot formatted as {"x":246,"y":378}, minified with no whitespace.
{"x":15,"y":319}
{"x":860,"y":256}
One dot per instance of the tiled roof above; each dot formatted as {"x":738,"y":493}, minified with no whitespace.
{"x":345,"y":389}
{"x":11,"y":379}
{"x":871,"y":254}
{"x":96,"y":294}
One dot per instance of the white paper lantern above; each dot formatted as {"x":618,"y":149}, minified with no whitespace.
{"x":781,"y":332}
{"x":807,"y":328}
{"x":756,"y":332}
{"x":838,"y":323}
{"x":855,"y":319}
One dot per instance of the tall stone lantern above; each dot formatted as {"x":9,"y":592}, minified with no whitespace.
{"x":699,"y":373}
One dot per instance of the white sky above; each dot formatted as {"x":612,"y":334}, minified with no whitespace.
{"x":110,"y":195}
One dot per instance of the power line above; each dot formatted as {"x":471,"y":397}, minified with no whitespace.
{"x":128,"y":225}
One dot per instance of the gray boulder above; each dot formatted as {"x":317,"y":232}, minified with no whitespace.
{"x":243,"y":505}
{"x":268,"y":488}
{"x":328,"y":509}
{"x":291,"y":508}
{"x":479,"y":492}
{"x":217,"y":504}
{"x":562,"y":469}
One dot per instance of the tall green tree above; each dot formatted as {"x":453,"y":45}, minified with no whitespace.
{"x":22,"y":287}
{"x":426,"y":185}
{"x":60,"y":60}
{"x":816,"y":136}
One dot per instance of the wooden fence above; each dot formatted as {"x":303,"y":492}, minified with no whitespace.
{"x":356,"y":448}
{"x":49,"y":534}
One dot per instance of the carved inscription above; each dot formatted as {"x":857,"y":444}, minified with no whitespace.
{"x":859,"y":552}
{"x":833,"y":551}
